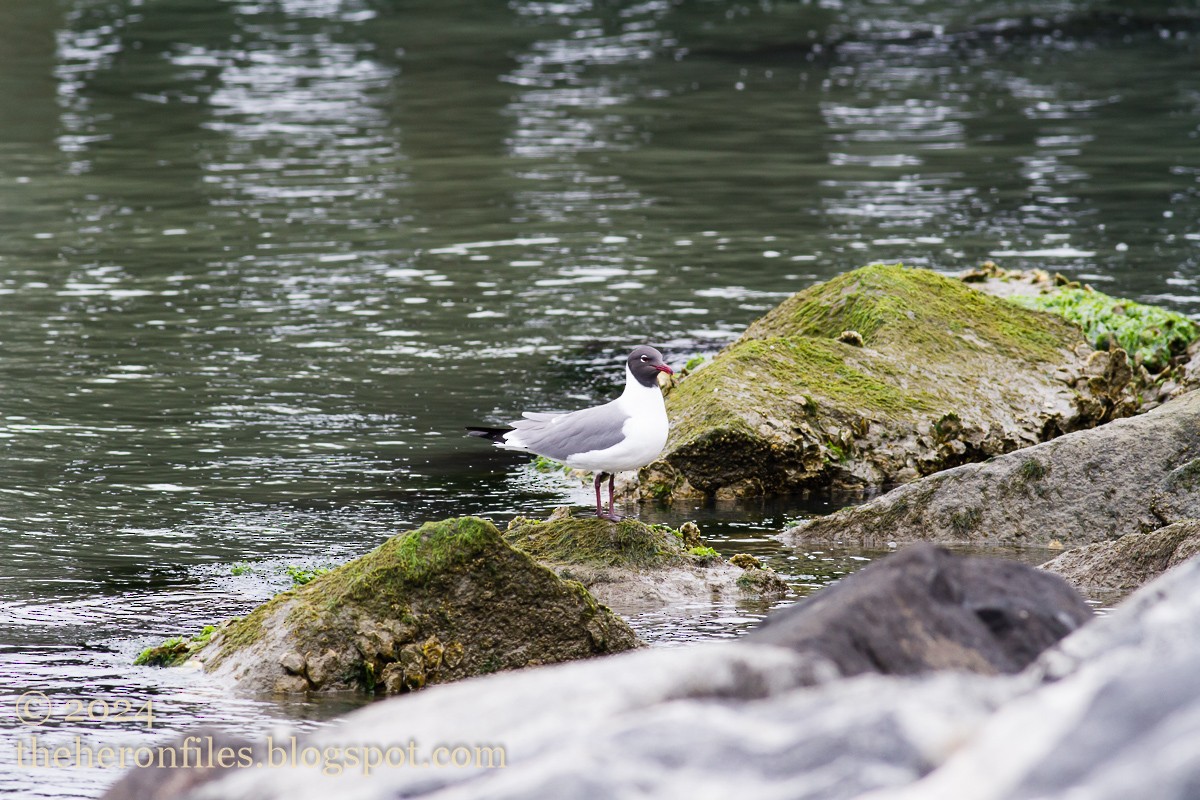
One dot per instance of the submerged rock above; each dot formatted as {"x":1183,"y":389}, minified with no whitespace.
{"x":1113,"y":569}
{"x":449,"y":600}
{"x":631,"y":566}
{"x":936,"y":374}
{"x":1129,"y":476}
{"x":176,"y":650}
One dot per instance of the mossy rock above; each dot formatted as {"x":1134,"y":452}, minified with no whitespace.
{"x":745,"y":561}
{"x":945,"y":375}
{"x":591,"y":542}
{"x":633,"y":567}
{"x":176,"y":650}
{"x":763,"y":583}
{"x":447,"y":601}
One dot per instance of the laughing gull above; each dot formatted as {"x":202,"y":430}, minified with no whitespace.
{"x":620,"y":435}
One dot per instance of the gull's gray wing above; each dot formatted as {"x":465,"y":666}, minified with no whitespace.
{"x":560,"y":436}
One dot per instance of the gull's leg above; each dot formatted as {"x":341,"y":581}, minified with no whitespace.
{"x":611,"y":515}
{"x":599,"y":480}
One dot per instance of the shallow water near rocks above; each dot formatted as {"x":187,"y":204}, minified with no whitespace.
{"x":260,"y":263}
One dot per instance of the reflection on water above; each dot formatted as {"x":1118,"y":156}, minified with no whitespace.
{"x":260,"y":262}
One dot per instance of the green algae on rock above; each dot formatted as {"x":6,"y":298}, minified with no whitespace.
{"x":1162,"y":347}
{"x":176,"y":650}
{"x":1151,"y":335}
{"x":446,"y":601}
{"x":944,"y":375}
{"x":592,"y":542}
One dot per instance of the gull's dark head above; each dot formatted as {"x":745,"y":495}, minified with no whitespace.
{"x":645,"y":363}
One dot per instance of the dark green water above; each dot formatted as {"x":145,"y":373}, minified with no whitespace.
{"x":260,"y":261}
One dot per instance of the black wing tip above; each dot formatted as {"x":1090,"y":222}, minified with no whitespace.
{"x":491,"y":434}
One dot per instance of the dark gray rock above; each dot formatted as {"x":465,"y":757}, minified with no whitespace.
{"x":1113,"y":569}
{"x":178,"y":774}
{"x":1128,"y":476}
{"x":924,"y":609}
{"x":1113,"y":712}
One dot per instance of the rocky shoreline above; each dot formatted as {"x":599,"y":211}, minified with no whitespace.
{"x":1127,"y":477}
{"x":939,"y":669}
{"x":907,"y":679}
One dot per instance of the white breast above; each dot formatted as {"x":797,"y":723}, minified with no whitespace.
{"x":645,"y":433}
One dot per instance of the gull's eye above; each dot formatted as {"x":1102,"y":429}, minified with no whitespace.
{"x":645,"y":358}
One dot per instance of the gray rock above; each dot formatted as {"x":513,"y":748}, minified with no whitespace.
{"x":1191,"y":372}
{"x":163,"y":781}
{"x":1115,"y":712}
{"x":1128,"y":476}
{"x":924,"y":609}
{"x":719,"y":720}
{"x":1112,"y":711}
{"x":1113,"y":569}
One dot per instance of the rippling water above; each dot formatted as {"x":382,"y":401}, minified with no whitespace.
{"x":260,"y":261}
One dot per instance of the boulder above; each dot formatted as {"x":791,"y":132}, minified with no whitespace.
{"x":447,"y":601}
{"x":632,"y":567}
{"x":1113,"y":569}
{"x":749,"y":718}
{"x":1130,"y":476}
{"x":1112,"y":712}
{"x":925,"y":609}
{"x":879,"y":376}
{"x":1190,"y":379}
{"x":169,"y":778}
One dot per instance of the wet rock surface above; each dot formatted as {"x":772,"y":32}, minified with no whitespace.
{"x":1112,"y":709}
{"x":1190,"y":379}
{"x":447,"y":601}
{"x":457,"y":598}
{"x":880,"y":376}
{"x":1113,"y":569}
{"x":1129,"y":476}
